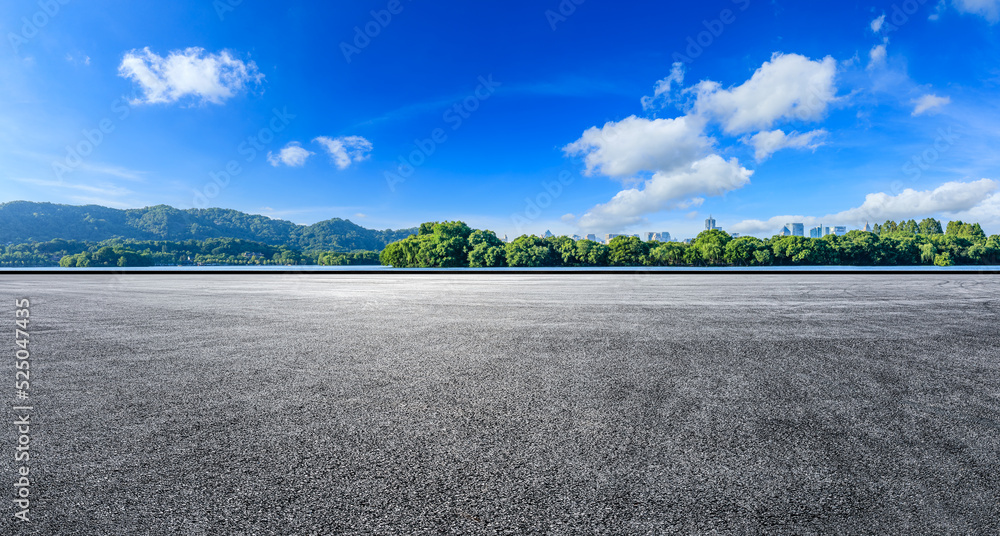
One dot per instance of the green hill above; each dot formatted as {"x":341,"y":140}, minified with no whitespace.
{"x":25,"y":221}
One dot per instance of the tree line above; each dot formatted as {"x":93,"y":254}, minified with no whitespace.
{"x":128,"y":253}
{"x":454,"y":244}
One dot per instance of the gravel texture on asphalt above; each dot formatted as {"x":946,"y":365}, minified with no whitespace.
{"x":508,"y":404}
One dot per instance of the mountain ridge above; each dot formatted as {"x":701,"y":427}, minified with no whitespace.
{"x":29,"y":221}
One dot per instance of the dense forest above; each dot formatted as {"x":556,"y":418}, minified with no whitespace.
{"x":23,"y":222}
{"x":455,"y":244}
{"x":120,"y":253}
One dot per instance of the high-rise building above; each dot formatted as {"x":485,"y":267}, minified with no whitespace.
{"x":650,"y":236}
{"x":785,"y":231}
{"x":548,"y":234}
{"x":609,"y":236}
{"x":840,"y":230}
{"x":868,"y":228}
{"x":663,"y":237}
{"x":816,"y":232}
{"x":798,"y":229}
{"x":710,"y":224}
{"x":592,"y":237}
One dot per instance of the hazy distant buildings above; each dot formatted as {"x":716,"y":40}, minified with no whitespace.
{"x":609,"y":236}
{"x":868,"y":228}
{"x":840,"y":230}
{"x":785,"y":231}
{"x":548,"y":234}
{"x":817,"y":232}
{"x":710,"y":224}
{"x":659,"y":237}
{"x":795,"y":229}
{"x":592,"y":237}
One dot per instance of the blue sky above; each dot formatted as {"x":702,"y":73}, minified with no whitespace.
{"x":575,"y":116}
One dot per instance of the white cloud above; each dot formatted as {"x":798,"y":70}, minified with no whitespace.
{"x":661,"y":93}
{"x":292,"y":155}
{"x":769,"y":142}
{"x":876,"y":24}
{"x":187,"y":73}
{"x":712,"y":176}
{"x":985,"y":213}
{"x":988,"y":9}
{"x":635,"y":144}
{"x":928,"y":102}
{"x":950,"y":197}
{"x":877,"y":55}
{"x":789,"y":86}
{"x":346,"y":149}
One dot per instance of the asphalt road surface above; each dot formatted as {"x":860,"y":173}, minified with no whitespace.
{"x":507,"y":404}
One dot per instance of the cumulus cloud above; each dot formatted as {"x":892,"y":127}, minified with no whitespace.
{"x":988,"y":9}
{"x":789,"y":86}
{"x":769,"y":142}
{"x":187,"y":73}
{"x":634,"y":144}
{"x":710,"y":176}
{"x":950,"y":197}
{"x":928,"y":103}
{"x":661,"y":93}
{"x":292,"y":155}
{"x":346,"y":150}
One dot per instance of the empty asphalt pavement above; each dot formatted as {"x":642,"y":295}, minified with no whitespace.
{"x":507,"y":404}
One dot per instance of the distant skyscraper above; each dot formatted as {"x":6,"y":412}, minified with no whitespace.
{"x":664,"y":237}
{"x":816,"y":232}
{"x":840,"y":230}
{"x":785,"y":231}
{"x":868,"y":228}
{"x":609,"y":236}
{"x":798,"y":229}
{"x":592,"y":237}
{"x":710,"y":224}
{"x":548,"y":234}
{"x":650,"y":236}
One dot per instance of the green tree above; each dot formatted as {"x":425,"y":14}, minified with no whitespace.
{"x":627,"y":251}
{"x":487,"y":251}
{"x":668,"y":254}
{"x":943,"y":259}
{"x":740,"y":251}
{"x":564,"y":249}
{"x":929,"y":226}
{"x":529,"y":251}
